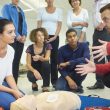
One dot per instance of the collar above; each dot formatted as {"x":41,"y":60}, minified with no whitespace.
{"x":75,"y":48}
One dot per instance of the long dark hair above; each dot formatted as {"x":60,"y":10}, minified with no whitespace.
{"x":3,"y":23}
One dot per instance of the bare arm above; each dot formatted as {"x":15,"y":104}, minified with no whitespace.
{"x":46,"y":57}
{"x":28,"y":62}
{"x":39,"y":24}
{"x":13,"y":88}
{"x":81,"y":37}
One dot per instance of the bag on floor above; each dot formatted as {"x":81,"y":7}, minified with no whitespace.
{"x":93,"y":101}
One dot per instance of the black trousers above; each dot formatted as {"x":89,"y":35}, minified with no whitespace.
{"x":103,"y":35}
{"x":18,"y":47}
{"x":53,"y":60}
{"x":44,"y":70}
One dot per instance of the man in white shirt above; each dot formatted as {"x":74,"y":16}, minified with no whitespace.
{"x":99,"y":33}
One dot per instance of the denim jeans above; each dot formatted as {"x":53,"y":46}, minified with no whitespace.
{"x":6,"y":98}
{"x":62,"y":84}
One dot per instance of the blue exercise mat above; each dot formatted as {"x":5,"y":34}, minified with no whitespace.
{"x":90,"y":101}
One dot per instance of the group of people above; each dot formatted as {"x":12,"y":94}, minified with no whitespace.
{"x":43,"y":55}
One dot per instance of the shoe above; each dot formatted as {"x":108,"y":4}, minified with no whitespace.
{"x":96,"y":86}
{"x":34,"y":87}
{"x":78,"y":90}
{"x":45,"y":89}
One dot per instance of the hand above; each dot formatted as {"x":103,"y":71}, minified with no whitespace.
{"x":63,"y":65}
{"x":72,"y":84}
{"x":37,"y":75}
{"x":17,"y":94}
{"x":84,"y":24}
{"x":100,"y":26}
{"x":23,"y":39}
{"x":36,"y":57}
{"x":100,"y":51}
{"x":51,"y":39}
{"x":86,"y":68}
{"x":18,"y":38}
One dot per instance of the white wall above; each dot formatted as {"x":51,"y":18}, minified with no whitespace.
{"x":32,"y":21}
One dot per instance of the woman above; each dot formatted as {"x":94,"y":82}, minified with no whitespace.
{"x":77,"y":18}
{"x":8,"y":89}
{"x":38,"y":55}
{"x":15,"y":14}
{"x":50,"y":18}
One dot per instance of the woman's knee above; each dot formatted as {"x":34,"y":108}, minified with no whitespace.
{"x":31,"y":77}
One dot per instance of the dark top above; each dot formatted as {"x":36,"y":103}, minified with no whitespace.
{"x":74,"y":56}
{"x":30,"y":49}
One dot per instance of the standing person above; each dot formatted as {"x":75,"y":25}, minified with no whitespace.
{"x":8,"y":89}
{"x":99,"y":33}
{"x":101,"y":51}
{"x":50,"y":18}
{"x":69,"y":56}
{"x":38,"y":55}
{"x":15,"y":14}
{"x":77,"y":18}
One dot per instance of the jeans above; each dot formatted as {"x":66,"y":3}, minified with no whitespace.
{"x":45,"y":73}
{"x":62,"y":84}
{"x":6,"y":98}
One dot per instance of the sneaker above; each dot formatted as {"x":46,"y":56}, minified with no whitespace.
{"x":96,"y":86}
{"x":45,"y":89}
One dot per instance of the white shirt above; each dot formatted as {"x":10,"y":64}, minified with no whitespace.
{"x":6,"y":64}
{"x":49,"y":20}
{"x":97,"y":16}
{"x":81,"y":17}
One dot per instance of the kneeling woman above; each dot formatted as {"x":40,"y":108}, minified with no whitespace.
{"x":38,"y":55}
{"x":8,"y":89}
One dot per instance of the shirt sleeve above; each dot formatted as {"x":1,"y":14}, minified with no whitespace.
{"x":10,"y":62}
{"x":49,"y":47}
{"x":5,"y":12}
{"x":86,"y":54}
{"x":60,"y":15}
{"x":86,"y":19}
{"x":63,"y":71}
{"x":39,"y":14}
{"x":69,"y":22}
{"x":29,"y":49}
{"x":103,"y":69}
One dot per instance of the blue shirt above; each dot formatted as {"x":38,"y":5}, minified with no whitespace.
{"x":9,"y":11}
{"x":74,"y":56}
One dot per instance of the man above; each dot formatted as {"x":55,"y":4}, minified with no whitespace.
{"x":101,"y":51}
{"x":69,"y":56}
{"x":15,"y":14}
{"x":99,"y":33}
